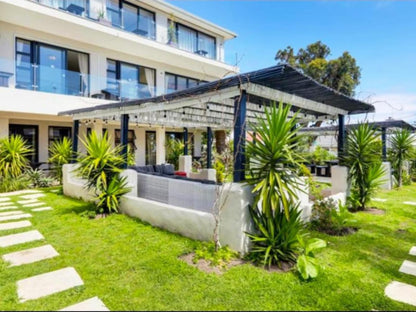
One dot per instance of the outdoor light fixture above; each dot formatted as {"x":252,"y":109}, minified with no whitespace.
{"x":207,"y":106}
{"x":164,"y":114}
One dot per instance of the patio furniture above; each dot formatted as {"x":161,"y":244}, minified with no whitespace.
{"x":201,"y":52}
{"x":180,"y":173}
{"x":319,"y":169}
{"x":330,"y":163}
{"x":311,"y":167}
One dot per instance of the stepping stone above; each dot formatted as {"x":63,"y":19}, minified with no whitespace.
{"x":47,"y":284}
{"x":34,"y":205}
{"x":27,"y":201}
{"x":14,"y":225}
{"x":92,"y":304}
{"x":15,"y":217}
{"x":381,"y":200}
{"x":33,"y":196}
{"x":42,"y":209}
{"x":410,"y":203}
{"x":4,"y":199}
{"x":19,"y":193}
{"x":8,"y":203}
{"x":10,"y":213}
{"x":408,"y":267}
{"x":8,"y":207}
{"x":30,"y":255}
{"x":412,"y":251}
{"x":401,"y":292}
{"x":20,"y":238}
{"x":54,"y":191}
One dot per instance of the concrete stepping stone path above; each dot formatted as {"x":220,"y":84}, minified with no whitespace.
{"x":47,"y":284}
{"x":8,"y":203}
{"x":8,"y":207}
{"x":15,"y":217}
{"x":20,"y":238}
{"x":14,"y":225}
{"x":27,"y":201}
{"x":34,"y":205}
{"x":401,"y":292}
{"x":408,"y":267}
{"x":410,"y":203}
{"x":20,"y":192}
{"x":42,"y":209}
{"x":381,"y":200}
{"x":10,"y":213}
{"x":412,"y":251}
{"x":32,"y":196}
{"x":30,"y":255}
{"x":92,"y":304}
{"x":4,"y":199}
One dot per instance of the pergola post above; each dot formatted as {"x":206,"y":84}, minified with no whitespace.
{"x":240,"y":107}
{"x":209,"y":147}
{"x":75,"y":131}
{"x":124,"y":137}
{"x":185,"y":141}
{"x":341,"y":136}
{"x":383,"y":143}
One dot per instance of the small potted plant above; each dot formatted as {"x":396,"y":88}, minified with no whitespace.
{"x":172,"y":38}
{"x":101,"y":17}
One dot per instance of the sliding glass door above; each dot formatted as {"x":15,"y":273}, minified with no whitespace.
{"x":51,"y":70}
{"x":31,"y":135}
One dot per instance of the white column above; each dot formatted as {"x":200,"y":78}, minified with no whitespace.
{"x":4,"y":128}
{"x":388,"y":181}
{"x":339,"y":179}
{"x":43,"y":142}
{"x":140,"y":154}
{"x":97,"y":126}
{"x":160,"y":146}
{"x":197,"y":143}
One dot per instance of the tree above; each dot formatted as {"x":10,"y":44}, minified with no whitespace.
{"x":401,"y":149}
{"x":341,"y":74}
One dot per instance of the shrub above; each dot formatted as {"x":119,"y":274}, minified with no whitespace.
{"x":60,"y":154}
{"x":306,"y":263}
{"x":9,"y":184}
{"x":101,"y":166}
{"x":37,"y":178}
{"x":216,"y":257}
{"x":174,"y":149}
{"x":401,"y":150}
{"x":14,"y":155}
{"x":328,"y":219}
{"x":320,"y":155}
{"x":220,"y":171}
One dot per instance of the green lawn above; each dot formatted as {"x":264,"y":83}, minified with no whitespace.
{"x":130,"y":265}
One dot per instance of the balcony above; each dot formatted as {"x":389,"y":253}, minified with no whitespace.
{"x":50,"y":79}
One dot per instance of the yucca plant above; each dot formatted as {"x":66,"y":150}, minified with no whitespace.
{"x":101,"y":167}
{"x":14,"y":156}
{"x":363,"y":161}
{"x":274,"y":159}
{"x":174,"y":149}
{"x":402,"y":149}
{"x":60,"y":154}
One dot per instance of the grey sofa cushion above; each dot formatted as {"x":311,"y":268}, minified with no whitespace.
{"x":168,"y":169}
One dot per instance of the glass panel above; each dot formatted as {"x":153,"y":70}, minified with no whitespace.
{"x":53,"y":3}
{"x":30,"y":134}
{"x":150,"y":148}
{"x":111,"y":65}
{"x":187,"y":39}
{"x":23,"y":46}
{"x":206,"y":46}
{"x":58,"y":133}
{"x":78,"y":7}
{"x":147,"y":82}
{"x":182,"y":83}
{"x":51,"y":70}
{"x":192,"y":83}
{"x":130,"y":18}
{"x":170,"y":85}
{"x":146,"y":24}
{"x":128,"y":80}
{"x":113,"y":12}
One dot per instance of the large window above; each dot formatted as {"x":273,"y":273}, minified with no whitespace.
{"x":78,"y":7}
{"x":47,"y":68}
{"x":132,"y":18}
{"x":31,"y":135}
{"x":150,"y":148}
{"x":129,"y":81}
{"x":177,"y":83}
{"x":194,"y":41}
{"x":131,"y":137}
{"x":58,"y":133}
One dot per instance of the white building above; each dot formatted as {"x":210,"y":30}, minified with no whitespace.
{"x":58,"y":55}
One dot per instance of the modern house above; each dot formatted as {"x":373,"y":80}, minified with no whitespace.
{"x":60,"y":55}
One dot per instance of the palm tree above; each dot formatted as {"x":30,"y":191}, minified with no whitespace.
{"x":402,"y":149}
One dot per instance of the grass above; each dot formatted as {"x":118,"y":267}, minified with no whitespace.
{"x":130,"y":265}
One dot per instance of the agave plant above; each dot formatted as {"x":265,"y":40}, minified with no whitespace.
{"x":401,"y":149}
{"x":60,"y":154}
{"x":110,"y":194}
{"x":274,"y":159}
{"x":14,"y":156}
{"x":363,"y":161}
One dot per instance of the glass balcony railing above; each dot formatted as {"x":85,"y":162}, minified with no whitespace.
{"x":50,"y":79}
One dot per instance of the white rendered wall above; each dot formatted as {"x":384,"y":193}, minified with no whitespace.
{"x":160,"y":146}
{"x":4,"y":127}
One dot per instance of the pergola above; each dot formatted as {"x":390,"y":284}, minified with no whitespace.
{"x":230,"y":103}
{"x":382,"y":126}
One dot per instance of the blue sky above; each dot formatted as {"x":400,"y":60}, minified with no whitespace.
{"x":381,"y":35}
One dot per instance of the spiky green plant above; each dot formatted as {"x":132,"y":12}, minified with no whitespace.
{"x":14,"y":156}
{"x":402,"y":149}
{"x":274,"y":159}
{"x":174,"y":149}
{"x":60,"y":154}
{"x":363,"y":161}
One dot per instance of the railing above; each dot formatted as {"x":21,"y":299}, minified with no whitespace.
{"x":50,"y":79}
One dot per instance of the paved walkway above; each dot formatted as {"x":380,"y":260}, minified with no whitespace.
{"x":38,"y":286}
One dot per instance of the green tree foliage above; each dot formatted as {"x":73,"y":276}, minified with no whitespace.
{"x":14,"y":156}
{"x":402,"y":149}
{"x":60,"y":154}
{"x":341,"y":74}
{"x":174,"y":149}
{"x":365,"y":169}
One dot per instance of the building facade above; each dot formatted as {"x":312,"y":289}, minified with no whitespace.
{"x":58,"y":55}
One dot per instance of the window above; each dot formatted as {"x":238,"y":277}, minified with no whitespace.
{"x":132,"y":18}
{"x":178,"y":83}
{"x":128,"y":81}
{"x":131,"y":137}
{"x":150,"y":148}
{"x":31,"y":135}
{"x":58,"y":133}
{"x":51,"y":69}
{"x":194,"y":41}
